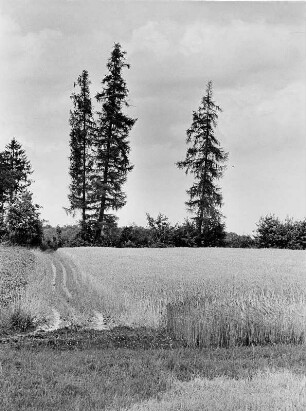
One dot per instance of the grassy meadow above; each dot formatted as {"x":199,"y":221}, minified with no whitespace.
{"x":188,"y":329}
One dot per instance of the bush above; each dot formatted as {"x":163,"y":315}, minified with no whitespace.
{"x":272,"y":233}
{"x":184,"y":235}
{"x":15,"y":319}
{"x":134,"y":236}
{"x":66,"y":236}
{"x":160,"y":230}
{"x":21,"y":321}
{"x":233,"y":240}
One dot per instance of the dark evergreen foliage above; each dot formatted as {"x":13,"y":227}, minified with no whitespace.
{"x":233,"y":240}
{"x":161,"y":230}
{"x":15,"y":170}
{"x":112,"y":144}
{"x":24,"y":226}
{"x":204,"y":160}
{"x":134,"y":236}
{"x":81,"y":154}
{"x":272,"y":233}
{"x":6,"y":182}
{"x":19,"y":168}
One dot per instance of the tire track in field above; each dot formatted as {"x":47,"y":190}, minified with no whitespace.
{"x":64,"y":281}
{"x":54,"y":275}
{"x":72,"y":303}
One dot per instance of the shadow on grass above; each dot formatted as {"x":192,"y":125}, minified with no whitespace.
{"x":82,"y":339}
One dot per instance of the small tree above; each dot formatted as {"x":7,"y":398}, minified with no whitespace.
{"x":112,"y":159}
{"x":19,"y":168}
{"x":23,"y":224}
{"x":81,"y":153}
{"x":161,"y":230}
{"x":15,"y":170}
{"x":205,"y":159}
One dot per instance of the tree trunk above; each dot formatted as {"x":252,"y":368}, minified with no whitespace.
{"x":84,"y":174}
{"x":100,"y":220}
{"x":201,"y":217}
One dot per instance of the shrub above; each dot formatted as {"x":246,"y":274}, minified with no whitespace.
{"x":184,"y":235}
{"x":233,"y":240}
{"x":161,"y":230}
{"x":66,"y":236}
{"x":272,"y":233}
{"x":21,"y":321}
{"x":134,"y":236}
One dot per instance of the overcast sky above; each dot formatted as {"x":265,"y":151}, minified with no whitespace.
{"x":253,"y":52}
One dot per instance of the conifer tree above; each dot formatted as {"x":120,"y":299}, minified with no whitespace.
{"x":81,"y":152}
{"x":23,"y":223}
{"x":18,"y":169}
{"x":204,"y":160}
{"x":112,"y":144}
{"x":15,"y":170}
{"x":6,"y":182}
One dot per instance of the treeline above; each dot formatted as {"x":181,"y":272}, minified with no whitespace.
{"x":99,"y":166}
{"x":158,"y":233}
{"x":270,"y":233}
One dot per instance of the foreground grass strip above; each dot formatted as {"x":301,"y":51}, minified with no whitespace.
{"x":118,"y":378}
{"x":266,"y":391}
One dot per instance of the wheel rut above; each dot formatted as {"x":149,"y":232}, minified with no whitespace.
{"x":71,"y":301}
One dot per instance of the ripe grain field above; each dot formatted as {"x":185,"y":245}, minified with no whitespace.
{"x":205,"y":297}
{"x":208,"y":297}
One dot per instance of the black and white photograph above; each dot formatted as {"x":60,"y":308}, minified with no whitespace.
{"x":152,"y":205}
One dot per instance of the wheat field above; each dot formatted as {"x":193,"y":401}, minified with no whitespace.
{"x":206,"y":297}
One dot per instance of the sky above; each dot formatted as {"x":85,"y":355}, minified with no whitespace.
{"x":253,"y":52}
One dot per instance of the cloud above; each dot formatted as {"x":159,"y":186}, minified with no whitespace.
{"x":254,"y":53}
{"x":153,"y":38}
{"x":23,"y":51}
{"x":240,"y":50}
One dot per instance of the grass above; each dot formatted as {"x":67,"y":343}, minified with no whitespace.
{"x":266,"y":391}
{"x":17,"y":267}
{"x":40,"y":378}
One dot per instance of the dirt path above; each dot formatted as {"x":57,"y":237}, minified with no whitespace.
{"x":70,"y":300}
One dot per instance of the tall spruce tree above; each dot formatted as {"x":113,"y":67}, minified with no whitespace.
{"x":81,"y":152}
{"x":204,"y":160}
{"x":112,"y":144}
